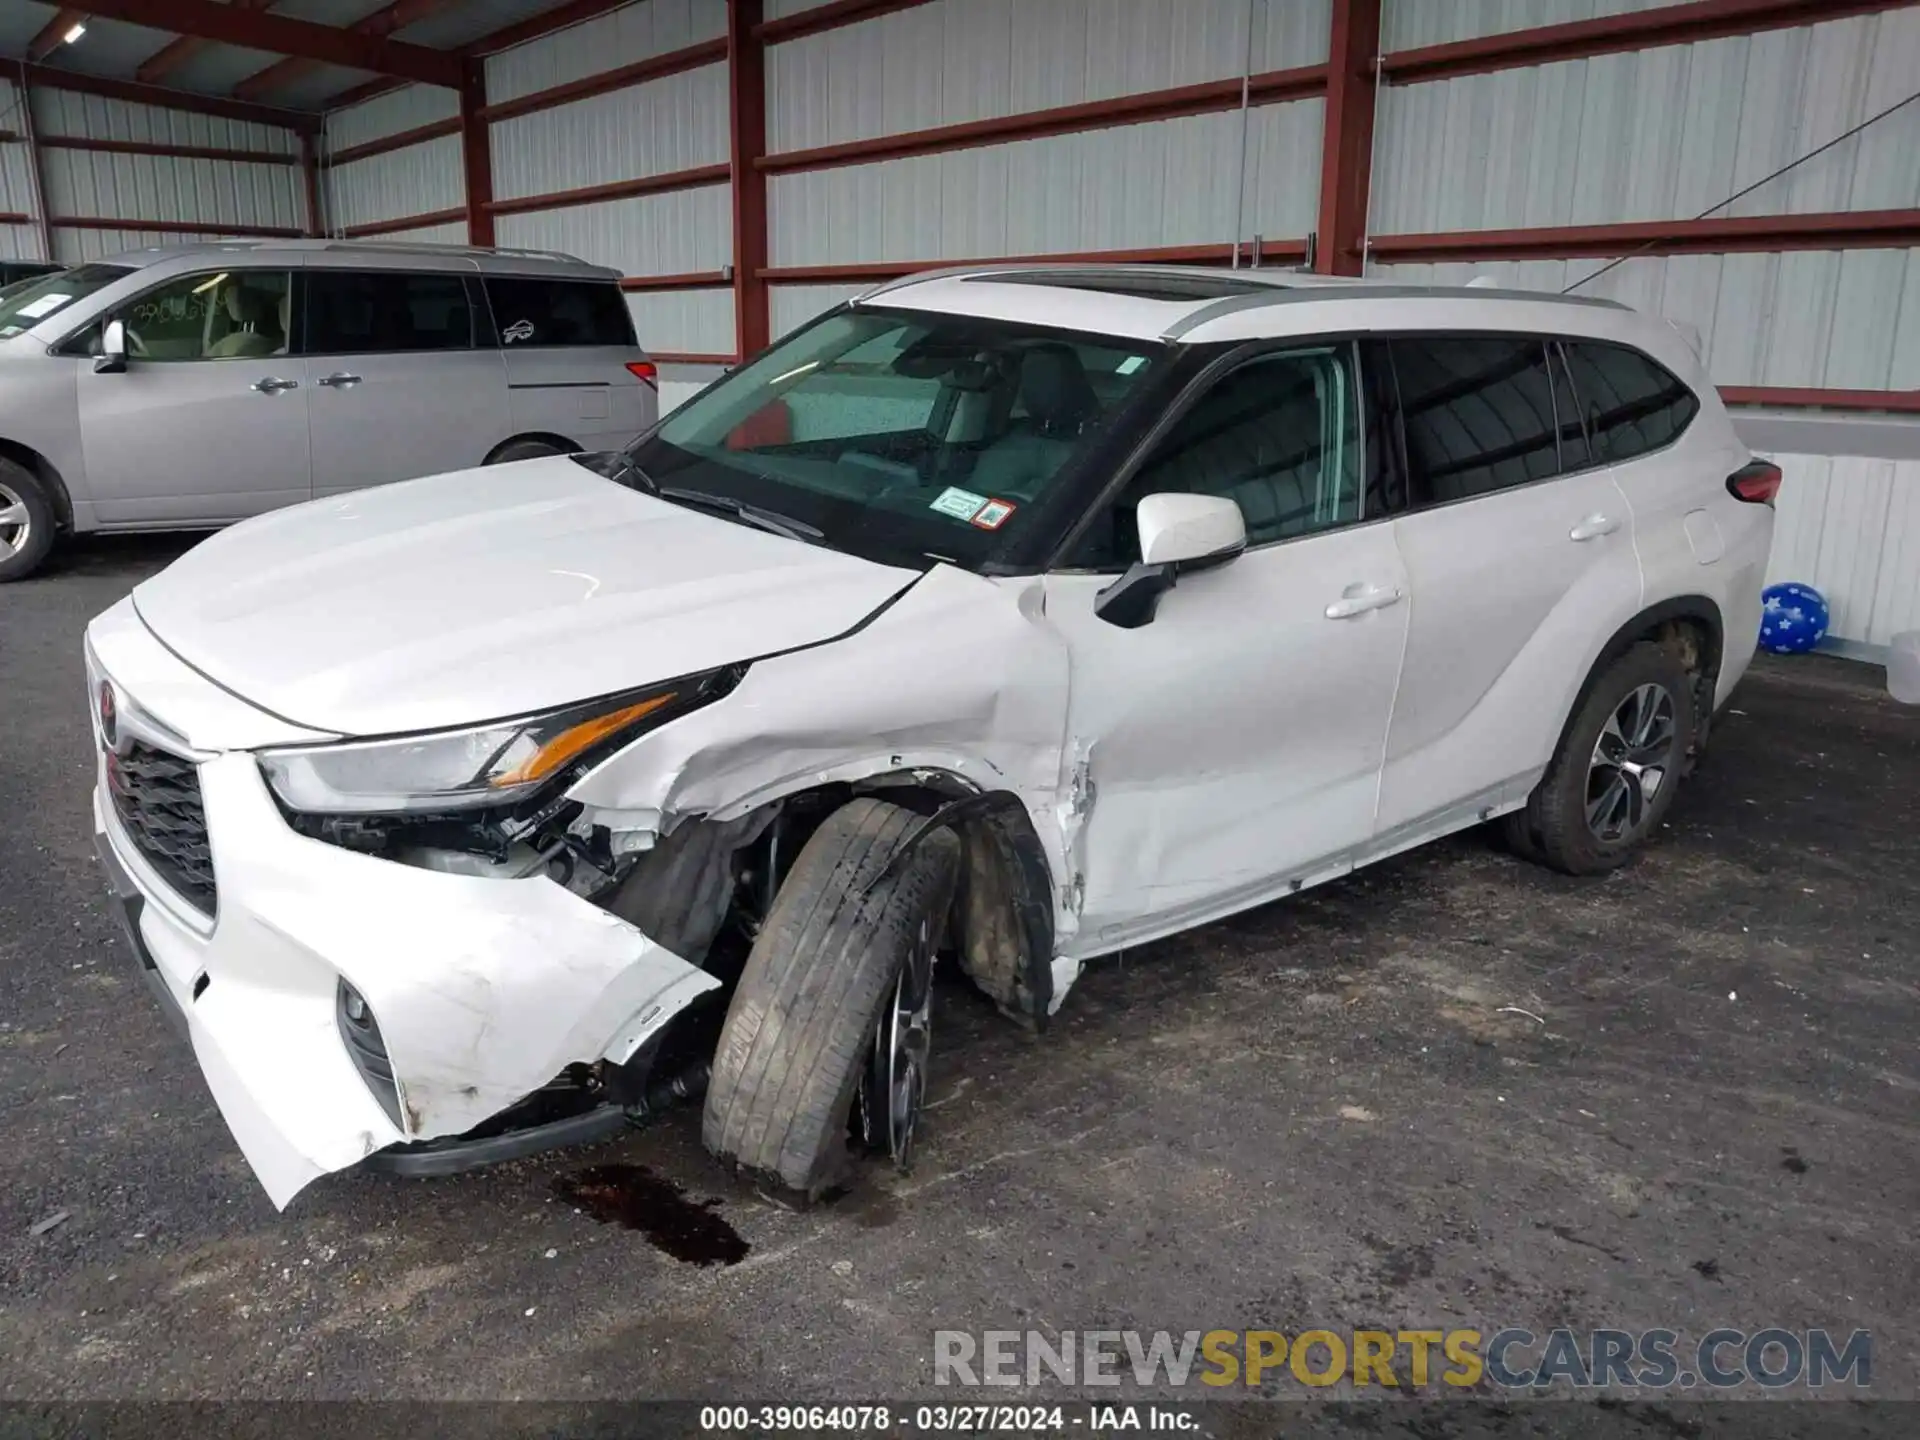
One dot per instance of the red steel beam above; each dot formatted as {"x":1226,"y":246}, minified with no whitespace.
{"x":183,"y":152}
{"x":691,"y":280}
{"x":1836,"y":230}
{"x":476,"y":152}
{"x":1790,"y":398}
{"x":365,"y":90}
{"x":310,"y":170}
{"x":399,"y":140}
{"x":15,"y":217}
{"x":1639,"y":30}
{"x":1267,"y":88}
{"x":53,"y":34}
{"x":404,"y":222}
{"x":747,"y":144}
{"x":260,"y":30}
{"x":654,"y":67}
{"x":830,"y":16}
{"x":381,"y":23}
{"x":1346,"y":152}
{"x":690,"y":179}
{"x":1287,"y":252}
{"x":182,"y":48}
{"x":300,"y":121}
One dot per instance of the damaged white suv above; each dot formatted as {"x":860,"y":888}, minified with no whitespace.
{"x":1000,"y":618}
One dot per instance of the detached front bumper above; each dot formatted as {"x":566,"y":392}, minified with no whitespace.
{"x":484,"y":990}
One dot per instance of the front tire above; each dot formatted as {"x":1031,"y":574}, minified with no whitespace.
{"x":26,"y":522}
{"x":832,"y":1009}
{"x":1612,"y":781}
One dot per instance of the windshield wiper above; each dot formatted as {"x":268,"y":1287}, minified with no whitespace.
{"x":738,"y":509}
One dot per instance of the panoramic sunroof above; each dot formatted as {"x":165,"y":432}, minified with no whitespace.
{"x":1200,"y":286}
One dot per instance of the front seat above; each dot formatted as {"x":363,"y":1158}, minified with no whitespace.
{"x":1060,"y":404}
{"x":247,"y":310}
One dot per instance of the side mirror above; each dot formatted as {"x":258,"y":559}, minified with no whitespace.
{"x":112,"y":359}
{"x":1177,"y":533}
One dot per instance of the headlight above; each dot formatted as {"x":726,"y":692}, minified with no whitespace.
{"x":494,"y":764}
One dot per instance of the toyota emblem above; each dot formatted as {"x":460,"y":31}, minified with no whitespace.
{"x":109,"y":715}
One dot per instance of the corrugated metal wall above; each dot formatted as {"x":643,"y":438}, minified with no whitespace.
{"x":397,"y":184}
{"x":1850,"y":527}
{"x":221,"y":195}
{"x":17,"y":241}
{"x":1406,"y":24}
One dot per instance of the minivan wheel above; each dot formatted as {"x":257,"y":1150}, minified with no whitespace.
{"x":825,"y":1049}
{"x":524,"y":450}
{"x":26,"y":522}
{"x":1613,"y":779}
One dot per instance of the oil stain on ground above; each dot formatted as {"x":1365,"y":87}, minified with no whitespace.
{"x":635,"y":1197}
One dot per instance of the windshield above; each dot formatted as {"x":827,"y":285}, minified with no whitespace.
{"x":904,"y":437}
{"x":25,"y":304}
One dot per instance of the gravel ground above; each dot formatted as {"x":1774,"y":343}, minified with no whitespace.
{"x":1453,"y":1090}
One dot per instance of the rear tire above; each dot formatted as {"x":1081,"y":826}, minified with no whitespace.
{"x":525,"y":450}
{"x":26,"y":522}
{"x":826,"y":970}
{"x":1613,"y":779}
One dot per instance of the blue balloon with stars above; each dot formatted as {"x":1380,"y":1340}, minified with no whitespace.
{"x":1793,"y":618}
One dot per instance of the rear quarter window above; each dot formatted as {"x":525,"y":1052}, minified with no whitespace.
{"x":1632,"y":404}
{"x":537,"y":312}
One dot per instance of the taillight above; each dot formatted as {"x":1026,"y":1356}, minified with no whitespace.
{"x":1756,"y":483}
{"x":645,"y":370}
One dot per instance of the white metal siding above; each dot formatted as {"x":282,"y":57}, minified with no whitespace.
{"x":1851,"y":528}
{"x":668,"y":234}
{"x":684,"y":322}
{"x":1657,"y":134}
{"x":71,"y":247}
{"x":960,"y":60}
{"x":20,"y":242}
{"x":1406,"y":24}
{"x":1835,"y":319}
{"x":414,"y":180}
{"x":168,"y":187}
{"x":63,"y":112}
{"x":389,"y":114}
{"x":452,"y":233}
{"x":635,"y":32}
{"x":672,"y":123}
{"x":1172,"y":182}
{"x":791,"y":306}
{"x":17,"y":242}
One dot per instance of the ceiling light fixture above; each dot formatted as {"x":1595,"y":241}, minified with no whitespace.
{"x":74,"y":32}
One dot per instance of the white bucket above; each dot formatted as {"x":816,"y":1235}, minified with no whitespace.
{"x":1903,"y":667}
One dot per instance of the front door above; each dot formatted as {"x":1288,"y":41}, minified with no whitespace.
{"x":1229,"y":751}
{"x":404,"y":381}
{"x":208,"y":422}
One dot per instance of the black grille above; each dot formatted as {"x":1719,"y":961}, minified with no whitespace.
{"x":157,"y":797}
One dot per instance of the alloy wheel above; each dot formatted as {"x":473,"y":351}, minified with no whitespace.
{"x":895,"y":1083}
{"x":1632,"y":760}
{"x":16,"y":523}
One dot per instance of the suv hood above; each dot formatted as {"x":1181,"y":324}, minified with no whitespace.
{"x":488,"y":593}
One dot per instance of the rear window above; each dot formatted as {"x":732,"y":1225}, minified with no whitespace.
{"x":531,"y":312}
{"x":360,"y":312}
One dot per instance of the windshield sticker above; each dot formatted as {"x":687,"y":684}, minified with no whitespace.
{"x":960,"y":504}
{"x":36,"y":308}
{"x":518,"y":330}
{"x":1130,"y":364}
{"x":993,"y":514}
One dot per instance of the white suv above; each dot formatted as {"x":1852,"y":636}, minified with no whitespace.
{"x":1005,"y":618}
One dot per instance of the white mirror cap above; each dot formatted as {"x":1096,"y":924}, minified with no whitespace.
{"x":1189,"y":527}
{"x":114,"y":337}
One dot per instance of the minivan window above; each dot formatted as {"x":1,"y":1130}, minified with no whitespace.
{"x":1632,"y":405}
{"x":1279,"y":435}
{"x":532,"y":312}
{"x":360,"y":312}
{"x":225,"y":315}
{"x":24,"y":307}
{"x":903,"y":436}
{"x":1477,"y":412}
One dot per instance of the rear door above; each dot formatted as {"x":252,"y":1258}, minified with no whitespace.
{"x":1519,"y":554}
{"x":208,"y":422}
{"x":404,"y":380}
{"x":568,"y":344}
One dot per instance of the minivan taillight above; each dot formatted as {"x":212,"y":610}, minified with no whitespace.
{"x":645,"y":370}
{"x":1756,"y":483}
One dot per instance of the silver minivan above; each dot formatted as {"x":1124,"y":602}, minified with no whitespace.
{"x":190,"y":386}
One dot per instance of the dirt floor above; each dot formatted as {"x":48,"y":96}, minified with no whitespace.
{"x":1453,"y":1090}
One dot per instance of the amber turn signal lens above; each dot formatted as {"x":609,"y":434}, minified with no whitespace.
{"x":570,"y":743}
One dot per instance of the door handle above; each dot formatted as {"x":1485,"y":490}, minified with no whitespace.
{"x":273,"y":383}
{"x":1373,"y":597}
{"x":1593,"y":527}
{"x":340,"y":379}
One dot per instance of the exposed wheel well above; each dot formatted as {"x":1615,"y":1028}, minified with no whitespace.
{"x":1689,"y":625}
{"x":543,"y":437}
{"x":42,"y":470}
